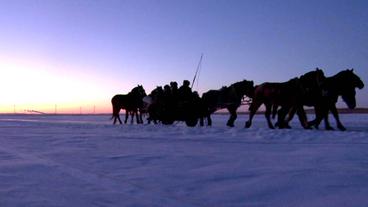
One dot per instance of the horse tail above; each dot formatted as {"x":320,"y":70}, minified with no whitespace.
{"x":114,"y":101}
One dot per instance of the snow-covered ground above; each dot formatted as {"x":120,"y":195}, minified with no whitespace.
{"x":86,"y":161}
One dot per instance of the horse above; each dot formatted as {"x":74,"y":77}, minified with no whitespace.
{"x":131,"y":102}
{"x":312,"y":91}
{"x":286,"y":94}
{"x":342,"y":84}
{"x":227,"y":97}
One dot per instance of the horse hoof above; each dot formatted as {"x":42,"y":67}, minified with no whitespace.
{"x":284,"y":126}
{"x":272,"y":127}
{"x":330,"y":128}
{"x":230,"y":125}
{"x":342,"y":128}
{"x":247,"y":124}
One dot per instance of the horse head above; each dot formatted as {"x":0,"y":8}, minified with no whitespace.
{"x":349,"y":81}
{"x":349,"y":98}
{"x":139,"y":91}
{"x":357,"y":82}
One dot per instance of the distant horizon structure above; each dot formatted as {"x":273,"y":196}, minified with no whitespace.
{"x":55,"y":108}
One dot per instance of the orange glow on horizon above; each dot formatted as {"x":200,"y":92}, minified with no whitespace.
{"x":31,"y":85}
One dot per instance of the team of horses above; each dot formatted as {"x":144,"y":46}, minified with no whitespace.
{"x":283,"y":99}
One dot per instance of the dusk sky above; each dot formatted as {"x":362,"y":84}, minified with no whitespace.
{"x":79,"y":53}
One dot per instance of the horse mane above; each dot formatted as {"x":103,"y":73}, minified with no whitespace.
{"x":341,"y":75}
{"x":312,"y":74}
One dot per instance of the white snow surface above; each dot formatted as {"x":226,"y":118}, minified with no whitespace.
{"x":86,"y":161}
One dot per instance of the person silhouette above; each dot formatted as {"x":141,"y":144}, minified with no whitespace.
{"x":185,"y":92}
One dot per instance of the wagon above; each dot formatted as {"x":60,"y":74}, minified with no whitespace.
{"x":169,"y":111}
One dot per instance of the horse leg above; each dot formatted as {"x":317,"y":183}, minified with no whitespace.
{"x":202,"y":115}
{"x":132,"y":117}
{"x":208,"y":116}
{"x":268,"y":115}
{"x":303,"y":118}
{"x":290,"y":115}
{"x":126,"y":116}
{"x":117,"y":118}
{"x":274,"y":110}
{"x":281,"y":117}
{"x":135,"y":113}
{"x":148,"y":120}
{"x":327,"y":122}
{"x":336,"y":115}
{"x":115,"y":114}
{"x":209,"y":120}
{"x":233,"y":116}
{"x":141,"y":115}
{"x":320,"y":112}
{"x":286,"y":117}
{"x":201,"y":118}
{"x":140,"y":118}
{"x":324,"y":116}
{"x":252,"y":111}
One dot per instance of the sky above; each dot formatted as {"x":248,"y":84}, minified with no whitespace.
{"x":72,"y":56}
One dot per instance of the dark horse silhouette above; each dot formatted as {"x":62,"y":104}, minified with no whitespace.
{"x":131,"y":102}
{"x":312,"y":92}
{"x":227,"y":97}
{"x":289,"y":95}
{"x":342,"y":84}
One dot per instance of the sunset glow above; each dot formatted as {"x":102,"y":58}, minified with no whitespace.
{"x":72,"y":56}
{"x":31,"y":85}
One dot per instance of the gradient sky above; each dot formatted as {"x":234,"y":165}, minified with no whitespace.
{"x":77,"y":54}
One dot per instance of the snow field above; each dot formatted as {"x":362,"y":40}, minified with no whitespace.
{"x":86,"y":161}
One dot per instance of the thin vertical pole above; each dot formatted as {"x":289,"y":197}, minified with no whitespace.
{"x":198,"y":68}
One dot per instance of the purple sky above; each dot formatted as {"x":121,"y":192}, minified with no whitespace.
{"x":87,"y":51}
